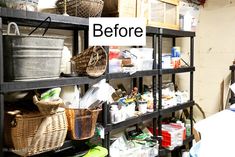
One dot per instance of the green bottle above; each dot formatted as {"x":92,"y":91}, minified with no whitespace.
{"x":188,"y":127}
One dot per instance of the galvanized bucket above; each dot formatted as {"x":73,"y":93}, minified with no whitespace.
{"x":31,"y":57}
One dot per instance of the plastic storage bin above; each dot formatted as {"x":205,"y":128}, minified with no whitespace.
{"x":142,"y":53}
{"x":143,"y":64}
{"x":147,"y":64}
{"x":172,"y":135}
{"x":115,"y":65}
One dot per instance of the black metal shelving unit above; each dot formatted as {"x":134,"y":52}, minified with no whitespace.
{"x":157,"y":35}
{"x":174,"y":34}
{"x":25,"y":18}
{"x":133,"y":121}
{"x":77,"y":24}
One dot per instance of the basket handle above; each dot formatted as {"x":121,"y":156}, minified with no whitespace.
{"x":93,"y":59}
{"x":13,"y":118}
{"x":49,"y":22}
{"x":17,"y":32}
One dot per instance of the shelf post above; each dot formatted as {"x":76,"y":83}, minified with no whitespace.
{"x":160,"y":37}
{"x":173,"y":75}
{"x":154,"y":82}
{"x":232,"y":81}
{"x":191,"y":79}
{"x":86,"y":45}
{"x":75,"y":42}
{"x":105,"y":111}
{"x":1,"y":94}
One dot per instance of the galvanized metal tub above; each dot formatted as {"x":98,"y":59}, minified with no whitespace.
{"x":32,"y":57}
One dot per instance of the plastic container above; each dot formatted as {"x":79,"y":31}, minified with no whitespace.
{"x":147,"y":64}
{"x":172,"y":135}
{"x":130,"y":110}
{"x":142,"y":106}
{"x":166,"y":62}
{"x":142,"y":53}
{"x":115,"y":65}
{"x":143,"y":64}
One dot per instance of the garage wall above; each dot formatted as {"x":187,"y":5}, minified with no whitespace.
{"x":214,"y":53}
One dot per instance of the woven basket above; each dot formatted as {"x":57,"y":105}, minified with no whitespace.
{"x":81,"y":8}
{"x":30,"y":133}
{"x":47,"y":108}
{"x":81,"y":123}
{"x":92,"y":61}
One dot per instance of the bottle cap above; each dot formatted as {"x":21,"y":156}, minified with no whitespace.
{"x":187,"y":121}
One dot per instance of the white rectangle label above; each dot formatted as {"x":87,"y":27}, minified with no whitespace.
{"x":117,"y":31}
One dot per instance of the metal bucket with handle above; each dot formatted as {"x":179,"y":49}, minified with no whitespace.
{"x":28,"y":57}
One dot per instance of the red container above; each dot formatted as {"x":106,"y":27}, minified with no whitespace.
{"x":167,"y":135}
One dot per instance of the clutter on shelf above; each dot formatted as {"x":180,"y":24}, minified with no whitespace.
{"x":135,"y":59}
{"x":171,"y":98}
{"x":172,"y":60}
{"x":134,"y":104}
{"x":127,"y":106}
{"x":140,"y":59}
{"x":28,"y":126}
{"x":134,"y":142}
{"x":99,"y":93}
{"x":82,"y":113}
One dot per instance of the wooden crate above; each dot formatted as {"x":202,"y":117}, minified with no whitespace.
{"x":119,"y":8}
{"x":159,"y":13}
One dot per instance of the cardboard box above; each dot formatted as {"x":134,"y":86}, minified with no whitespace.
{"x":158,"y":13}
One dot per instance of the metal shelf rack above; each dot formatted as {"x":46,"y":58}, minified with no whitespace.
{"x":76,"y":24}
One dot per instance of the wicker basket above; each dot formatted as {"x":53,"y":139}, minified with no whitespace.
{"x":81,"y":123}
{"x":47,"y":108}
{"x":92,"y":61}
{"x":29,"y":133}
{"x":81,"y":8}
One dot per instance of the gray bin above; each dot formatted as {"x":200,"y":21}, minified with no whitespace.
{"x":31,"y":57}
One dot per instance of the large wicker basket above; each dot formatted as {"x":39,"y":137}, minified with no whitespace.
{"x":30,"y":133}
{"x":81,"y":8}
{"x":81,"y":123}
{"x":92,"y":61}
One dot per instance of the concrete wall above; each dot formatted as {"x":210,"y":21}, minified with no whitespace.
{"x":214,"y":53}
